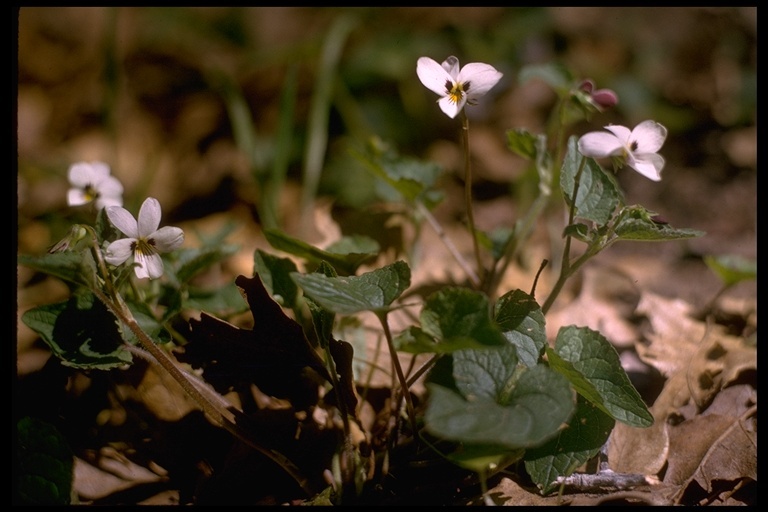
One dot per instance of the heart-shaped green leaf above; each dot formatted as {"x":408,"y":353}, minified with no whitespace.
{"x":536,"y":403}
{"x":373,"y":291}
{"x":522,"y":323}
{"x":593,"y":367}
{"x":598,"y":194}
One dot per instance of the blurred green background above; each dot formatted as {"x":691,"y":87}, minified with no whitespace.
{"x":253,"y":109}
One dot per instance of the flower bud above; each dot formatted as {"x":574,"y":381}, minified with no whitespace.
{"x":605,"y":98}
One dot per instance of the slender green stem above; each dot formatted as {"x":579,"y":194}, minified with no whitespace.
{"x":468,"y":193}
{"x":99,"y":259}
{"x":516,"y":240}
{"x":398,"y":370}
{"x":566,"y":267}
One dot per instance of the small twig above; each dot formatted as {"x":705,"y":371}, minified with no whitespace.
{"x":607,"y":479}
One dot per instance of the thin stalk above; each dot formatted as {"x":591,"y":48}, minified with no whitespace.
{"x":468,"y":193}
{"x":566,"y":267}
{"x":448,"y":243}
{"x":399,"y":371}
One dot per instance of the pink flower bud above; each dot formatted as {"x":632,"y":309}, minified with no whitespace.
{"x":605,"y":98}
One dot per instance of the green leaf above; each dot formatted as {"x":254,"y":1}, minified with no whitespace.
{"x":409,"y":177}
{"x":458,"y":315}
{"x":539,"y":401}
{"x":145,"y":317}
{"x":225,"y":300}
{"x":414,"y":340}
{"x":322,"y":319}
{"x":275,"y":273}
{"x":193,"y":261}
{"x":373,"y":291}
{"x":587,"y":432}
{"x":482,"y":458}
{"x":597,"y":196}
{"x":578,"y":231}
{"x":522,"y":323}
{"x":81,"y":331}
{"x":592,"y":365}
{"x":45,"y":464}
{"x":522,"y":142}
{"x":486,"y":373}
{"x":74,"y":267}
{"x":358,"y":250}
{"x":636,"y":223}
{"x":732,"y":269}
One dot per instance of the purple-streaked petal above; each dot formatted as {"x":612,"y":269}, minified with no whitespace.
{"x":600,"y":145}
{"x":649,"y":165}
{"x":451,"y":66}
{"x":123,"y":220}
{"x":119,"y":251}
{"x":149,"y":217}
{"x":649,"y":136}
{"x":481,"y":77}
{"x":167,"y":238}
{"x":432,"y":75}
{"x":450,"y":108}
{"x":622,"y":132}
{"x":149,"y":265}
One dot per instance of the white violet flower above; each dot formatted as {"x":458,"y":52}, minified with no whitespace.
{"x":637,"y":148}
{"x":91,"y":181}
{"x":145,"y":242}
{"x":456,"y":86}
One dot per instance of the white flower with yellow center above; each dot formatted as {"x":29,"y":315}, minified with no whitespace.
{"x":636,"y":148}
{"x":145,"y":242}
{"x":456,"y":86}
{"x":91,"y":182}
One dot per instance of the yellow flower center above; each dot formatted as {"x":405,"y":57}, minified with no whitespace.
{"x":456,"y":91}
{"x":90,"y":192}
{"x":144,"y":247}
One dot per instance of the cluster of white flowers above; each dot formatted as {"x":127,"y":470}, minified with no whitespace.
{"x":92,"y":182}
{"x":459,"y":86}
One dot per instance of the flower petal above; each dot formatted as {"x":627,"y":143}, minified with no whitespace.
{"x":600,"y":145}
{"x":449,"y":107}
{"x":649,"y":136}
{"x":622,"y":132}
{"x":480,"y":77}
{"x":149,"y":265}
{"x":167,"y":238}
{"x":81,"y":174}
{"x":432,"y":75}
{"x":105,"y":201}
{"x":123,"y":220}
{"x":451,"y":65}
{"x":149,"y":217}
{"x":649,"y":165}
{"x":76,"y":197}
{"x":119,"y":251}
{"x":111,"y":186}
